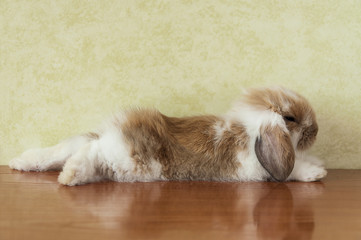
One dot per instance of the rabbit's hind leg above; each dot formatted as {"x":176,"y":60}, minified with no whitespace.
{"x":50,"y":158}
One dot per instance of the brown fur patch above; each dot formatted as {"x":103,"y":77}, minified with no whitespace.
{"x":92,"y":135}
{"x":308,"y":137}
{"x":186,"y":148}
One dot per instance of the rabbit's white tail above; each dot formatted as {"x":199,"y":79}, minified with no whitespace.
{"x":50,"y":158}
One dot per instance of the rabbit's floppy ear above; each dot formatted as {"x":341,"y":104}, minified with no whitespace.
{"x":275,"y":152}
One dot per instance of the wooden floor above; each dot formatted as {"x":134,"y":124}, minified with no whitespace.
{"x":35,"y":206}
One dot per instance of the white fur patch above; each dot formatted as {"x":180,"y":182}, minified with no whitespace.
{"x":221,"y":127}
{"x":250,"y":169}
{"x":253,"y":119}
{"x":116,"y":154}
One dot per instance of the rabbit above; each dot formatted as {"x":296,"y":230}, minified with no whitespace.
{"x":262,"y":138}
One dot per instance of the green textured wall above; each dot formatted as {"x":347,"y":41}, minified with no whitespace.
{"x":66,"y":65}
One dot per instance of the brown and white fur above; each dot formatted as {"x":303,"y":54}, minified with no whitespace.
{"x":263,"y":137}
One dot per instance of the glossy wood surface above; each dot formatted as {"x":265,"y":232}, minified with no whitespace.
{"x":35,"y":206}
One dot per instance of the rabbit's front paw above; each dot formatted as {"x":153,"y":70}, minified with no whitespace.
{"x":312,"y":173}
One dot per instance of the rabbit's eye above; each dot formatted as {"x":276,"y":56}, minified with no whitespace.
{"x":289,"y":118}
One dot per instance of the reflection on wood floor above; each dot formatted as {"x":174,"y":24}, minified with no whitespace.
{"x":34,"y":205}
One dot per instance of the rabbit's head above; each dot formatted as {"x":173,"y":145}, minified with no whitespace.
{"x":281,"y":123}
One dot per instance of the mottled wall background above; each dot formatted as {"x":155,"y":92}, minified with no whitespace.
{"x":66,"y":65}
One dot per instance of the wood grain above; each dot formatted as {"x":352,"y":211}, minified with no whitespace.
{"x":35,"y":206}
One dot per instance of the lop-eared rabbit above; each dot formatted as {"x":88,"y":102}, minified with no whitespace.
{"x":263,"y":137}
